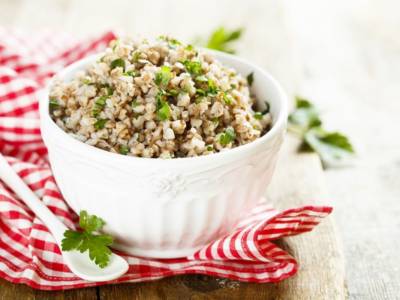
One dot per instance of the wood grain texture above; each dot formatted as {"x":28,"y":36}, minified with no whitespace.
{"x":9,"y":291}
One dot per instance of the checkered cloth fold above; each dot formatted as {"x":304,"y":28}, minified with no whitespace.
{"x":28,"y":253}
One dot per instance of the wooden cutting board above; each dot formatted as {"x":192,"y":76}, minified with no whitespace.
{"x":299,"y":180}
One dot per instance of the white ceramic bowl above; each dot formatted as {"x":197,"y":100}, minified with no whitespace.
{"x":167,"y":208}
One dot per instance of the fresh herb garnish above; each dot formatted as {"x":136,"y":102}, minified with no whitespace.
{"x":110,"y":90}
{"x":119,"y":62}
{"x":100,"y":123}
{"x":86,"y":81}
{"x":136,"y":56}
{"x":173,"y":92}
{"x":258,"y":115}
{"x":124,"y":150}
{"x":189,"y":48}
{"x":212,"y":89}
{"x":163,"y":109}
{"x":333,"y":148}
{"x":250,"y":78}
{"x":163,"y":76}
{"x":130,"y":73}
{"x":172,"y":43}
{"x":99,"y":105}
{"x":53,"y":104}
{"x":134,"y":103}
{"x":193,"y":67}
{"x":222,"y":38}
{"x":228,"y":136}
{"x":201,"y":92}
{"x":267,"y":108}
{"x":227,"y":98}
{"x":210,"y":147}
{"x":88,"y":240}
{"x":201,"y":78}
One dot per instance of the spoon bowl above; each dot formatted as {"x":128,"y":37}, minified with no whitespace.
{"x":81,"y":266}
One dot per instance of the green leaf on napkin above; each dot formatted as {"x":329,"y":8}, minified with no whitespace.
{"x":88,"y":240}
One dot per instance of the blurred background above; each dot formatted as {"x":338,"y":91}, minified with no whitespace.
{"x":343,"y":55}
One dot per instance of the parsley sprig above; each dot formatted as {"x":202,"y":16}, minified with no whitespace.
{"x":89,"y":240}
{"x":333,"y":148}
{"x":221,"y":39}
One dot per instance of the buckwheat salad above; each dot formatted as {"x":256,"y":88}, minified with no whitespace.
{"x":160,"y":99}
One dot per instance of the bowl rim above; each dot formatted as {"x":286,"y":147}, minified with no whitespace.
{"x":83,"y":148}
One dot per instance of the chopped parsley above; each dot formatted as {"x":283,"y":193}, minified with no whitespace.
{"x":88,"y":240}
{"x":250,"y":78}
{"x":136,"y":56}
{"x":163,"y":109}
{"x":258,"y":115}
{"x":134,"y":103}
{"x":210,"y":147}
{"x":124,"y":150}
{"x":119,"y":62}
{"x":267,"y":108}
{"x":173,"y":92}
{"x":201,"y":78}
{"x":99,"y":105}
{"x":193,"y":67}
{"x":163,"y":76}
{"x":189,"y":48}
{"x":227,"y":137}
{"x":100,"y":123}
{"x":227,"y":98}
{"x":53,"y":104}
{"x":201,"y":92}
{"x":172,"y":43}
{"x":86,"y":81}
{"x":212,"y":89}
{"x":131,"y":73}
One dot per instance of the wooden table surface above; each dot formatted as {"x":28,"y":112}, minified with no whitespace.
{"x":343,"y":54}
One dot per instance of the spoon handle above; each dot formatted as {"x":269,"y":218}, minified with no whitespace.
{"x":11,"y":178}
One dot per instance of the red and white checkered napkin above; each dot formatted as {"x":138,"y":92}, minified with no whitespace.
{"x":28,"y":253}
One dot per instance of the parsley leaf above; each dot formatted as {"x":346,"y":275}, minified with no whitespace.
{"x":99,"y":105}
{"x":87,"y":240}
{"x":131,"y":73}
{"x":53,"y":104}
{"x":258,"y":115}
{"x":304,"y":117}
{"x":221,"y":38}
{"x":227,"y":98}
{"x":333,"y":148}
{"x":124,"y":150}
{"x":212,"y":89}
{"x":193,"y":67}
{"x":100,"y":123}
{"x":250,"y":78}
{"x":163,"y":76}
{"x":119,"y":62}
{"x":228,"y":136}
{"x":201,"y":78}
{"x":163,"y":109}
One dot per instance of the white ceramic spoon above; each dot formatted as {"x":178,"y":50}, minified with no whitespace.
{"x":79,"y":263}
